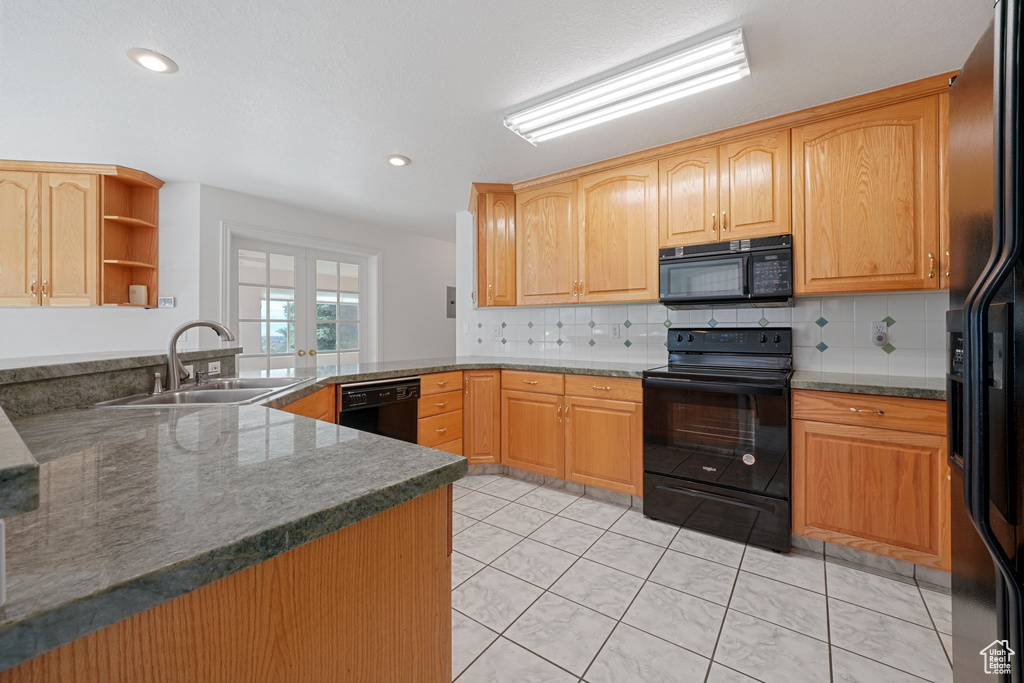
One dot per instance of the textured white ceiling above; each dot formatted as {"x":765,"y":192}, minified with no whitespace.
{"x":303,"y":101}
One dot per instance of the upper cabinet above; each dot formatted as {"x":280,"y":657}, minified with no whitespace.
{"x":495,"y":209}
{"x":546,"y":255}
{"x":618,"y":234}
{"x":754,"y":187}
{"x":866,"y":201}
{"x":58,"y":246}
{"x":944,"y":190}
{"x":738,"y":190}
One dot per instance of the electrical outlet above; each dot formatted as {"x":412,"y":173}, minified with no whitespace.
{"x":188,"y":369}
{"x":213,"y":368}
{"x":879,"y":333}
{"x":165,"y":301}
{"x":496,"y":331}
{"x":465,"y":328}
{"x":613,"y":331}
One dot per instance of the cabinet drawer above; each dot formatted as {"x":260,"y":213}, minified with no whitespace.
{"x":924,"y":416}
{"x":454,"y":447}
{"x":595,"y":386}
{"x":440,"y":429}
{"x":440,"y":382}
{"x":537,"y":382}
{"x":448,"y":402}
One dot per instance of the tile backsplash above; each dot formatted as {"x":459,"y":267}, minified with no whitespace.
{"x":829,"y":333}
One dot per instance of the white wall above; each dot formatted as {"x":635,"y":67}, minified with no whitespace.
{"x":43,"y":331}
{"x":415,"y":270}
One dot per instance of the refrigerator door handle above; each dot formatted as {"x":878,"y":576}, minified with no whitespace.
{"x":1006,"y":249}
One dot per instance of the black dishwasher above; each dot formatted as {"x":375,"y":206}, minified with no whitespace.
{"x":388,"y":408}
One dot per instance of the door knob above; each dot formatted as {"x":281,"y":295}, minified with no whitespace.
{"x":312,"y":352}
{"x":301,"y":352}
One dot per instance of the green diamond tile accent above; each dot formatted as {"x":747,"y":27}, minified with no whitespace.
{"x":591,"y":324}
{"x":889,"y":322}
{"x":763,"y":322}
{"x":504,"y":341}
{"x":888,"y":348}
{"x":821,"y":322}
{"x":667,"y":323}
{"x":503,"y":326}
{"x":591,"y":342}
{"x":627,"y":343}
{"x":559,"y":342}
{"x":530,"y":325}
{"x":559,"y":324}
{"x":479,"y":325}
{"x":627,"y":324}
{"x":480,"y":340}
{"x":821,"y":347}
{"x":530,"y":342}
{"x":712,"y":322}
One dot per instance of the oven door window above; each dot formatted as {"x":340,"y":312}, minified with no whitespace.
{"x":702,"y":278}
{"x":738,"y":440}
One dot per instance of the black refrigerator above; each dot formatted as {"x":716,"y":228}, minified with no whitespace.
{"x":985,"y":371}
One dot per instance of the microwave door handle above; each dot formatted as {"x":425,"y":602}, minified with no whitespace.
{"x":748,"y":269}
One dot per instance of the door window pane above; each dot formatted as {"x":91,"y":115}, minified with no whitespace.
{"x":282,"y":304}
{"x":281,"y":338}
{"x":326,"y":275}
{"x":252,"y":303}
{"x":348,"y":336}
{"x":253,"y":337}
{"x":348,"y":312}
{"x":326,"y":336}
{"x":282,"y":270}
{"x":252,"y":267}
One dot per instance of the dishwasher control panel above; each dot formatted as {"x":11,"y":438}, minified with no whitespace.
{"x":369,"y":395}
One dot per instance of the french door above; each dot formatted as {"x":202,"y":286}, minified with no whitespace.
{"x":296,"y":309}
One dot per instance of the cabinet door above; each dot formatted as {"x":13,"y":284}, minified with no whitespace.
{"x":70,"y":242}
{"x":688,"y":199}
{"x":19,"y":239}
{"x":532,"y":433}
{"x":481,"y":408}
{"x":546,"y":245}
{"x":865,"y":201}
{"x":604,"y":444}
{"x":319,"y":405}
{"x":755,"y":187}
{"x":944,"y":191}
{"x":496,"y":249}
{"x":879,"y":490}
{"x":619,"y":234}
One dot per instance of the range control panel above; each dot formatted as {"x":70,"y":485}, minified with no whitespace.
{"x":731,"y":340}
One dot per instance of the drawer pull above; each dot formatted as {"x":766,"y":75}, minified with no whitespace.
{"x":441,"y":383}
{"x":442,"y":430}
{"x":862,"y":410}
{"x":601,"y":388}
{"x":530,"y":381}
{"x":441,"y":405}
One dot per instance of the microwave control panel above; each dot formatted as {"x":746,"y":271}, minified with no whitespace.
{"x":771,"y":274}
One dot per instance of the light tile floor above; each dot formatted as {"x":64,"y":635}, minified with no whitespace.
{"x":550,"y":586}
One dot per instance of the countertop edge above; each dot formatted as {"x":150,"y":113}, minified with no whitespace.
{"x":19,"y":473}
{"x":43,"y":371}
{"x":42,"y":632}
{"x":873,"y":390}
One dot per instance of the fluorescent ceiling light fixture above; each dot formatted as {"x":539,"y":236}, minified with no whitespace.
{"x":154,"y":61}
{"x":701,"y":67}
{"x":399,"y":160}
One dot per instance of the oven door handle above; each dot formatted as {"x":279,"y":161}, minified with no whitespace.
{"x":730,"y":387}
{"x":715,"y":497}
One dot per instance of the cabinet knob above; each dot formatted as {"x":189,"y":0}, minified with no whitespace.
{"x":713,"y":230}
{"x":865,"y":410}
{"x":530,"y":381}
{"x":725,"y":224}
{"x":442,"y":404}
{"x":931,"y":264}
{"x":594,"y":386}
{"x":442,"y":430}
{"x":32,"y":288}
{"x":44,"y":290}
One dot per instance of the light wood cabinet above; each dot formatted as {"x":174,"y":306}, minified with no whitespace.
{"x":876,"y":489}
{"x":532,"y":433}
{"x":481,"y":433}
{"x":546,"y":252}
{"x":604,"y":443}
{"x":618,"y":234}
{"x":440,"y":411}
{"x":754,"y":187}
{"x":944,"y":190}
{"x":320,"y":405}
{"x":19,"y":238}
{"x":865,"y":201}
{"x":495,"y":209}
{"x":737,"y":190}
{"x":59,"y":246}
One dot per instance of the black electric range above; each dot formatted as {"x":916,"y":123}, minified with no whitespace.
{"x":717,"y":434}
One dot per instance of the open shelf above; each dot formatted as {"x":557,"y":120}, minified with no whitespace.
{"x":133,"y":222}
{"x":129,"y":264}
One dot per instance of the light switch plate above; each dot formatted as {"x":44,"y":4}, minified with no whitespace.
{"x":213,"y":368}
{"x":496,"y":331}
{"x":165,"y":302}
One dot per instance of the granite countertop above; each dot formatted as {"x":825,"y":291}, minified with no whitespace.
{"x":19,"y":473}
{"x":881,"y":385}
{"x":138,"y":506}
{"x":49,"y":367}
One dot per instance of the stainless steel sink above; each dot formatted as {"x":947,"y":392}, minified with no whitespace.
{"x":228,"y":391}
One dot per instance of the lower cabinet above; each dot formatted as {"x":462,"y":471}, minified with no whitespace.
{"x":532,"y":437}
{"x":320,"y":405}
{"x":590,"y":431}
{"x":859,"y":483}
{"x":440,"y":407}
{"x":481,"y":414}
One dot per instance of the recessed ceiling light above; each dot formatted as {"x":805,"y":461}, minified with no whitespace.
{"x":154,"y":61}
{"x":710,"y":64}
{"x":399,"y":160}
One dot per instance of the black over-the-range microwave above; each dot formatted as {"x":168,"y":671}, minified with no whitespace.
{"x":754,"y":272}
